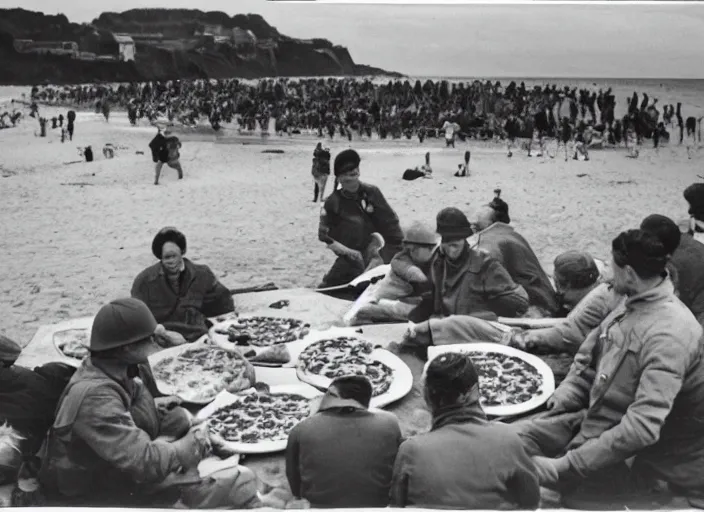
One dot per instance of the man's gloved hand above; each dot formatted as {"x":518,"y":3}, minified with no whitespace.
{"x":193,"y":447}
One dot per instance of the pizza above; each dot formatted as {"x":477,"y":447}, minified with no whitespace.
{"x":264,"y":331}
{"x":73,"y":343}
{"x":342,"y":356}
{"x":505,"y":379}
{"x":256,"y":416}
{"x":198,"y":374}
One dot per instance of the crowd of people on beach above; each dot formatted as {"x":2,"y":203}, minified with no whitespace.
{"x":399,"y":109}
{"x":626,"y":424}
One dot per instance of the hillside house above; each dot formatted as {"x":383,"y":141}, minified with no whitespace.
{"x":110,"y":46}
{"x":244,"y":40}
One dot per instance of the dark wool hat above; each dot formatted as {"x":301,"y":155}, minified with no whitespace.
{"x":120,"y":323}
{"x":500,"y":207}
{"x":346,"y":161}
{"x":9,"y":350}
{"x":453,"y":225}
{"x":168,"y":234}
{"x":576,"y":269}
{"x":450,"y":375}
{"x":694,"y":194}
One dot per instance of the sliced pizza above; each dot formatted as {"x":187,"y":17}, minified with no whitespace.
{"x":255,"y":417}
{"x":198,"y":374}
{"x":263,"y":331}
{"x":343,"y":356}
{"x":505,"y":379}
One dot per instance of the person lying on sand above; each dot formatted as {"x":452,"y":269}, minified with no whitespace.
{"x":357,"y":224}
{"x":496,"y":237}
{"x":624,"y":424}
{"x":181,"y":294}
{"x":465,"y":281}
{"x":424,"y":172}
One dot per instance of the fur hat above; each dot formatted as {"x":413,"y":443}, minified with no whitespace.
{"x":453,"y":225}
{"x":168,"y":234}
{"x":448,"y":376}
{"x":694,"y":194}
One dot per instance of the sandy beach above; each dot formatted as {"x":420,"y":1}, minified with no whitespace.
{"x":75,"y":234}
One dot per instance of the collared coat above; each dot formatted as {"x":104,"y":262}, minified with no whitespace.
{"x":640,"y":376}
{"x":469,"y":465}
{"x":507,"y":246}
{"x":102,"y":447}
{"x":343,"y":456}
{"x":480,"y":286}
{"x":200,"y":296}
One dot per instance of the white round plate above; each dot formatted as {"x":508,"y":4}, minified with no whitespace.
{"x":401,"y":384}
{"x":222,"y":340}
{"x":225,"y":398}
{"x":167,"y":389}
{"x":546,"y":390}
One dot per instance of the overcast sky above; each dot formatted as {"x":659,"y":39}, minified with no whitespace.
{"x":625,"y":41}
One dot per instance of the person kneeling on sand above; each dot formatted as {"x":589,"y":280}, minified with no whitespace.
{"x":464,"y":462}
{"x":395,"y":296}
{"x":181,"y":294}
{"x":357,"y":224}
{"x":465,"y":281}
{"x":103,"y":449}
{"x":343,"y":455}
{"x":165,"y":150}
{"x":625,"y":425}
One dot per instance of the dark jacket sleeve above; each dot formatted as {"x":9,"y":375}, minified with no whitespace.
{"x":385,"y":219}
{"x":218,"y":299}
{"x":156,"y":145}
{"x":401,"y":476}
{"x":292,"y":463}
{"x":504,"y":296}
{"x":523,"y":482}
{"x":425,"y":309}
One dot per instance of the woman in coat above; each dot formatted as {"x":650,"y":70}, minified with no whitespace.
{"x":180,"y":294}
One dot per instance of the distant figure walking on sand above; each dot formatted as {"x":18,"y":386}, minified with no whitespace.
{"x":450,"y":129}
{"x":70,"y":120}
{"x":512,"y":129}
{"x":165,"y":150}
{"x":321,"y":171}
{"x":105,"y":107}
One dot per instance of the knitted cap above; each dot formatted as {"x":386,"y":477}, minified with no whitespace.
{"x":576,"y":269}
{"x":168,"y":234}
{"x":418,"y":233}
{"x":121,"y":322}
{"x":452,"y":225}
{"x":346,"y":161}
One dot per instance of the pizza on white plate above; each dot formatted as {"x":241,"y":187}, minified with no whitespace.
{"x":199,"y":373}
{"x":73,"y":343}
{"x":256,"y":416}
{"x":505,"y":379}
{"x":262,"y":331}
{"x":343,"y":356}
